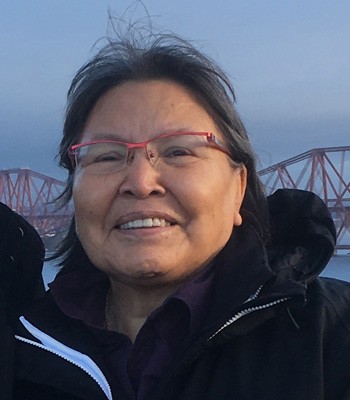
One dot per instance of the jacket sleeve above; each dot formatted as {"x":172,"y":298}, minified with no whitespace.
{"x":21,"y":260}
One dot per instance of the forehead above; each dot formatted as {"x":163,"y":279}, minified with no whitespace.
{"x":137,"y":111}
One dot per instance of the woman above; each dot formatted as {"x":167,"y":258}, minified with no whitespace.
{"x":175,"y":283}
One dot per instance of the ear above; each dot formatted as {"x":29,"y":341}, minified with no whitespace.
{"x":237,"y":219}
{"x":241,"y":188}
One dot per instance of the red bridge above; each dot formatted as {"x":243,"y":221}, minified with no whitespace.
{"x":325,"y":172}
{"x":34,"y":196}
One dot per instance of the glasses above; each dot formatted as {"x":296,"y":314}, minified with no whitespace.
{"x":174,"y":150}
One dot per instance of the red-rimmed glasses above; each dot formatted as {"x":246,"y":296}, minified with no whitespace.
{"x":175,"y":149}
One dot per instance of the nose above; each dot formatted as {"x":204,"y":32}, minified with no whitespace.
{"x":141,"y":178}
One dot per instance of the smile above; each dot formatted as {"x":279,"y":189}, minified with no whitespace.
{"x":145,"y":223}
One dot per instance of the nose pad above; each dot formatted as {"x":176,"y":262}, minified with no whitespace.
{"x":150,"y":154}
{"x":141,"y":179}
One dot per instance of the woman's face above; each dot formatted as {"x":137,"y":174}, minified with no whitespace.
{"x":201,"y":200}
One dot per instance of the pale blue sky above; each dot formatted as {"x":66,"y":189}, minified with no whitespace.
{"x":289,"y":62}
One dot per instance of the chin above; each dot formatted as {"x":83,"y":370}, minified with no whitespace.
{"x":149,"y":274}
{"x":152,"y":278}
{"x":138,"y":275}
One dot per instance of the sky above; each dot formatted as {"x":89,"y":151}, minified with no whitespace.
{"x":288,"y":60}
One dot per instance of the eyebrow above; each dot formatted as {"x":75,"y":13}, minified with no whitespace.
{"x":116,"y":137}
{"x":105,"y":136}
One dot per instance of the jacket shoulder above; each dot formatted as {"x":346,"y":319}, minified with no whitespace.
{"x":334,"y":295}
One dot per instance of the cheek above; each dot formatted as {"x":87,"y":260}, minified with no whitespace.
{"x":224,"y":200}
{"x":210,"y":201}
{"x":90,"y":202}
{"x":91,"y":191}
{"x":81,"y":200}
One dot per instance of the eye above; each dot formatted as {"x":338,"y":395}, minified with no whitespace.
{"x":108,"y":157}
{"x":176,"y":152}
{"x":101,"y":153}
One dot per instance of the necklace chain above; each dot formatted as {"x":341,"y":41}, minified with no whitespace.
{"x":107,"y":311}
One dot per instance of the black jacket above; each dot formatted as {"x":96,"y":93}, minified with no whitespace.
{"x":274,"y":330}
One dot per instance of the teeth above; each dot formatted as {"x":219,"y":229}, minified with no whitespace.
{"x":137,"y":223}
{"x":157,"y":222}
{"x":145,"y":223}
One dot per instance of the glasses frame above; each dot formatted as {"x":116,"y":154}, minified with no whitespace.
{"x":211,"y":138}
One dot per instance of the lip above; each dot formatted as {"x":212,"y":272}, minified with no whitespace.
{"x":130,"y":216}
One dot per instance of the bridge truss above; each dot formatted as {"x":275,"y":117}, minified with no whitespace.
{"x":324,"y":171}
{"x":34,"y":195}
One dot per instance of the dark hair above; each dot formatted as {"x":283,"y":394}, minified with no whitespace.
{"x":162,"y":56}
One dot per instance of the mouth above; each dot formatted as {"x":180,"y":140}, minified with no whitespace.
{"x":145,"y":223}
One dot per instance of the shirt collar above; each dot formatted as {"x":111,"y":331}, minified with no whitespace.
{"x":82,"y":295}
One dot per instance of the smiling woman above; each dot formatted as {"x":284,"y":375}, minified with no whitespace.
{"x":179,"y":279}
{"x":188,"y":192}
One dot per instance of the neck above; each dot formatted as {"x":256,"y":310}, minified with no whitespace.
{"x":128,"y":307}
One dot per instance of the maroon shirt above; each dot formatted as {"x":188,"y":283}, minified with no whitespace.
{"x":134,"y":368}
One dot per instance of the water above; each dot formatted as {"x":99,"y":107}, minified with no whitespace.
{"x":49,"y":272}
{"x":338,"y":267}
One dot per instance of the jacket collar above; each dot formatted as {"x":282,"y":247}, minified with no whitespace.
{"x":302,"y":242}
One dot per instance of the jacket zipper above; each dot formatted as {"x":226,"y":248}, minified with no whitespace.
{"x":247,"y":311}
{"x":241,"y":314}
{"x":61,"y":350}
